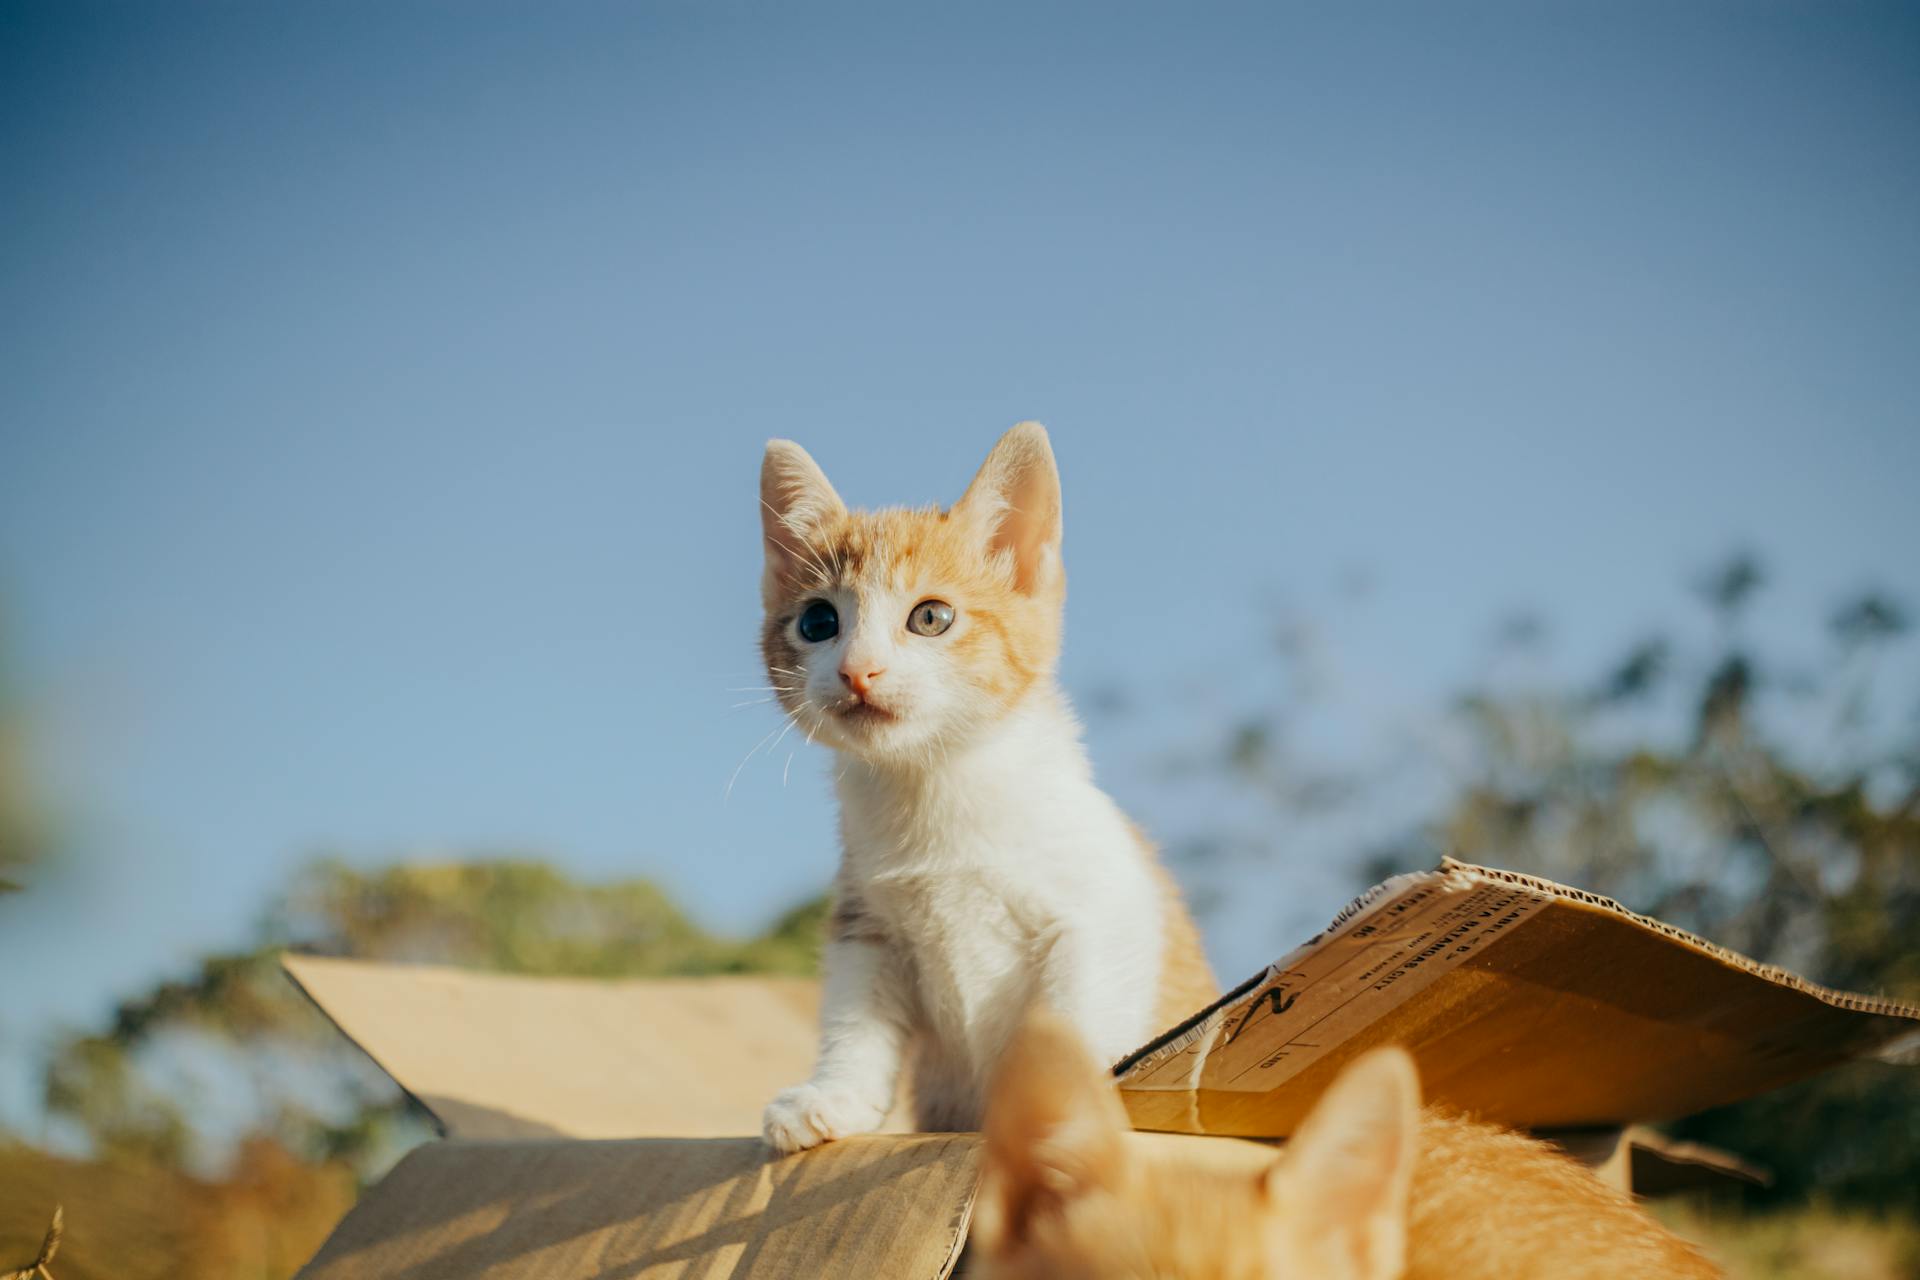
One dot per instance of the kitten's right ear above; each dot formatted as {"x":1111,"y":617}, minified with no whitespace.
{"x":795,"y":501}
{"x":1055,"y":1130}
{"x":1015,"y":497}
{"x":1343,"y":1182}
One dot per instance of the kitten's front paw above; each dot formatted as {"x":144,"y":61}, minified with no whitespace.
{"x":810,"y":1114}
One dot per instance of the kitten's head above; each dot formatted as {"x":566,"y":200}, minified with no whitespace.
{"x":1066,"y":1195}
{"x":890,"y":633}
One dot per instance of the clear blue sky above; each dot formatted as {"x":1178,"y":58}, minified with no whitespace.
{"x":382,"y":388}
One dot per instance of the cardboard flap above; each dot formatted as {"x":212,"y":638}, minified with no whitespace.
{"x":1649,"y":1164}
{"x":1525,"y":1002}
{"x":661,"y":1208}
{"x":496,"y":1056}
{"x":1663,"y":1166}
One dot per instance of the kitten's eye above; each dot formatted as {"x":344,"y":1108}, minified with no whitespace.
{"x":819,"y":621}
{"x":930,"y":618}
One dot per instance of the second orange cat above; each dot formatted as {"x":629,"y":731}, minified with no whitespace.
{"x":1371,"y":1187}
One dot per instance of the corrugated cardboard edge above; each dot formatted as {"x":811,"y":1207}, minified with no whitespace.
{"x":1903,"y":1049}
{"x":1772,"y":973}
{"x":962,"y":1227}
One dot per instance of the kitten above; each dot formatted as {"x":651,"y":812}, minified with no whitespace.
{"x":1370,"y":1188}
{"x":980,"y":867}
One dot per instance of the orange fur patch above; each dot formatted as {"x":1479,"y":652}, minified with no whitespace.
{"x":1187,"y":984}
{"x":1012,"y":639}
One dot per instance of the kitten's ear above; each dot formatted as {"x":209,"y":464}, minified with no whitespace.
{"x":795,"y":500}
{"x":1055,"y":1130}
{"x":1015,"y":498}
{"x":1342,"y":1184}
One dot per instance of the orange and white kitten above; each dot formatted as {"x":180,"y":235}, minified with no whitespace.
{"x":1370,"y":1188}
{"x":980,"y":867}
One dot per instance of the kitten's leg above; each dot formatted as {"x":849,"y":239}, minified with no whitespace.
{"x":946,"y":1090}
{"x":863,"y":1028}
{"x":1111,"y":1017}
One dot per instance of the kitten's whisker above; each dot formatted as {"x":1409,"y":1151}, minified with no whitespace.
{"x":787,"y":770}
{"x":750,"y":702}
{"x":728,"y":793}
{"x":819,"y":564}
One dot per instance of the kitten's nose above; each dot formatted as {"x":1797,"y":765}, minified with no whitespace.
{"x":859,"y":676}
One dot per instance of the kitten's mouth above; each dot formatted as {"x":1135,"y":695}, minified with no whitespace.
{"x":860,"y":711}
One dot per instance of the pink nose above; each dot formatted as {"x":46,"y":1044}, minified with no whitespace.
{"x":859,"y":676}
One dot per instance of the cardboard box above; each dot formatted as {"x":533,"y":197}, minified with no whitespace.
{"x":600,"y":1128}
{"x":1524,"y":1002}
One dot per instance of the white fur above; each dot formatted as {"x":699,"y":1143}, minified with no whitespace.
{"x":992,"y":869}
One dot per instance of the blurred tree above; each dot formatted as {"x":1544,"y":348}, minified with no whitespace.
{"x":1687,"y":786}
{"x":236,"y":1021}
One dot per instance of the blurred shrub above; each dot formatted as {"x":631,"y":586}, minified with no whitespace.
{"x":1814,"y":1242}
{"x":1770,"y":807}
{"x":23,"y":833}
{"x":134,"y":1220}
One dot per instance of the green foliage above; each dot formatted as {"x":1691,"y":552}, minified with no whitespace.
{"x":792,"y":945}
{"x":238,"y":1011}
{"x":93,"y":1082}
{"x":512,"y":915}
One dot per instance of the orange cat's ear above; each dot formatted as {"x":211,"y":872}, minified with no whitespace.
{"x":1342,"y":1185}
{"x":795,"y":500}
{"x":1015,"y":498}
{"x":1055,"y":1131}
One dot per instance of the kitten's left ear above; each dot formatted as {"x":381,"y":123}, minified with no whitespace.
{"x":1016,"y":498}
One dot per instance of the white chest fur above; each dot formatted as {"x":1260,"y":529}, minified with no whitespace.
{"x":969,"y":887}
{"x":1000,"y":873}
